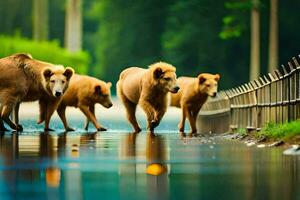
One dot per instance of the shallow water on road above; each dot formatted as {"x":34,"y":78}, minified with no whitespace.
{"x":113,"y":164}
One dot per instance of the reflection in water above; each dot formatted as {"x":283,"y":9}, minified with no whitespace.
{"x":155,"y":154}
{"x":133,"y":174}
{"x":53,"y":176}
{"x":114,"y":166}
{"x":157,"y":179}
{"x":128,"y":169}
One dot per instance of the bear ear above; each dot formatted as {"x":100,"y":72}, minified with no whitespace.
{"x":68,"y":72}
{"x":217,"y":77}
{"x":109,"y":84}
{"x":201,"y":78}
{"x":98,"y":89}
{"x":158,"y":72}
{"x":47,"y":73}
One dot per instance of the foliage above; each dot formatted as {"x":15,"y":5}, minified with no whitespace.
{"x":241,"y":131}
{"x":128,"y":35}
{"x":282,"y":131}
{"x":234,"y":23}
{"x":46,"y":51}
{"x":231,"y":28}
{"x":14,"y":17}
{"x":191,"y":42}
{"x":195,"y":36}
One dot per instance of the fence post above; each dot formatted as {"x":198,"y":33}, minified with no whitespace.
{"x":262,"y":105}
{"x":237,"y":101}
{"x":242,"y":112}
{"x":259,"y":102}
{"x":292,"y":86}
{"x":231,"y":102}
{"x":267,"y":98}
{"x":279,"y":98}
{"x":297,"y":83}
{"x":244,"y":106}
{"x":254,"y":104}
{"x":286,"y":94}
{"x":273,"y":97}
{"x":247,"y":105}
{"x":251,"y":125}
{"x":229,"y":94}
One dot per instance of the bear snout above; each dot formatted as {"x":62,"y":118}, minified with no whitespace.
{"x":214,"y":94}
{"x":175,"y":89}
{"x":58,"y":94}
{"x":109,"y":105}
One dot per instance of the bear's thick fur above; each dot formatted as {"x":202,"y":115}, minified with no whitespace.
{"x":84,"y":92}
{"x":192,"y":95}
{"x":26,"y":79}
{"x":148,"y":88}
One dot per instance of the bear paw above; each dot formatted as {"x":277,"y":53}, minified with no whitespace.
{"x":101,"y":129}
{"x":19,"y":127}
{"x":69,"y":129}
{"x":153,"y":124}
{"x":48,"y":129}
{"x":181,"y":129}
{"x":137,"y":130}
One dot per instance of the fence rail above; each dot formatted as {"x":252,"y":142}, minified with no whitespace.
{"x":274,"y":97}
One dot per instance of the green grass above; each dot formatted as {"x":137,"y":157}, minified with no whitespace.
{"x":48,"y":51}
{"x":281,"y":131}
{"x":241,"y":131}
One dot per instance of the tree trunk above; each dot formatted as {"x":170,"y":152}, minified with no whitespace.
{"x":255,"y":42}
{"x":40,"y":20}
{"x":273,"y":36}
{"x":73,"y":25}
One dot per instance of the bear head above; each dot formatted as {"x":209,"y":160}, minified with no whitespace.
{"x":164,"y":76}
{"x":102,"y":93}
{"x":56,"y":79}
{"x":208,"y":83}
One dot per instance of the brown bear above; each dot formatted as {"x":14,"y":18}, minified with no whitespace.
{"x":27,"y":79}
{"x":148,"y":88}
{"x":84,"y":92}
{"x":192,"y":95}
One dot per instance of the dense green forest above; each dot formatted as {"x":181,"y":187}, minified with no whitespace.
{"x":193,"y":35}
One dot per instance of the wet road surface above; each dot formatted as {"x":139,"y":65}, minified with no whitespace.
{"x":113,"y":165}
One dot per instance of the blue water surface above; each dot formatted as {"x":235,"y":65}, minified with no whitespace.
{"x":113,"y":165}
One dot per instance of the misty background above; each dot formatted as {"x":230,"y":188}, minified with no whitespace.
{"x":239,"y":39}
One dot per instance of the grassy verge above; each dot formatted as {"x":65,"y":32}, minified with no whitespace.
{"x":286,"y":131}
{"x":241,"y":131}
{"x":49,"y":51}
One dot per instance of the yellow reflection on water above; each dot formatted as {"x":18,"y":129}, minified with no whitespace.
{"x":53,"y":176}
{"x":156,"y":169}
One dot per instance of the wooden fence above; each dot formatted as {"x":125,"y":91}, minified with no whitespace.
{"x":274,"y":97}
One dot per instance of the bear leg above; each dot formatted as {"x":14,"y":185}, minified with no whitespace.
{"x":130,"y":111}
{"x":87,"y":122}
{"x":192,"y":121}
{"x":183,"y":117}
{"x":50,"y":108}
{"x":61,"y":111}
{"x":6,"y":110}
{"x":86,"y":111}
{"x":42,"y":115}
